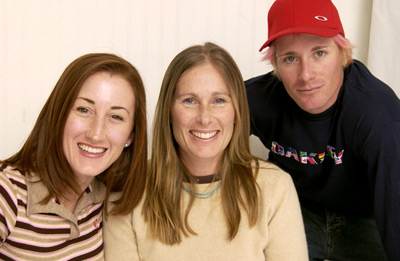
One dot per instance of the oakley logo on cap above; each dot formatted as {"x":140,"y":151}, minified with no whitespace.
{"x":321,"y":18}
{"x":318,"y":17}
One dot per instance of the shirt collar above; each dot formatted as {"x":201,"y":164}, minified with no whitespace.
{"x":37,"y":191}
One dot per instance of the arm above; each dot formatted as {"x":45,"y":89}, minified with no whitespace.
{"x":286,"y":236}
{"x":119,"y":237}
{"x":382,"y":154}
{"x":8,"y":207}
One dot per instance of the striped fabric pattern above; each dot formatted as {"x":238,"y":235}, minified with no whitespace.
{"x":46,"y":235}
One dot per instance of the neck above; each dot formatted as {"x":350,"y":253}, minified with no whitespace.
{"x":84,"y":182}
{"x":70,"y":200}
{"x":201,"y":167}
{"x":70,"y":197}
{"x":207,"y":179}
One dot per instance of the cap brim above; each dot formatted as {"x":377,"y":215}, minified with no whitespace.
{"x":320,"y":31}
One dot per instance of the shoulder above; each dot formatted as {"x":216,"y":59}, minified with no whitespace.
{"x":276,"y":187}
{"x":362,"y":86}
{"x":261,"y":79}
{"x":265,"y":93}
{"x":12,"y":179}
{"x":366,"y":102}
{"x":112,"y":199}
{"x":358,"y":73}
{"x":113,"y":223}
{"x":262,"y":82}
{"x":270,"y":176}
{"x":13,"y":193}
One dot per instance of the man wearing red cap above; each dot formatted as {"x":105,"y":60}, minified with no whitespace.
{"x":335,"y":128}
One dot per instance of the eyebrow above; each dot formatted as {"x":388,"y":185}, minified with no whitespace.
{"x":319,"y":47}
{"x":112,"y":107}
{"x":195,"y":95}
{"x":292,"y":53}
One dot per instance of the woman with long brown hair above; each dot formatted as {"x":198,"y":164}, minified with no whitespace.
{"x":89,"y":140}
{"x":207,"y":197}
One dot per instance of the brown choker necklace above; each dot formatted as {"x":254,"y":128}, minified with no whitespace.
{"x":207,"y":179}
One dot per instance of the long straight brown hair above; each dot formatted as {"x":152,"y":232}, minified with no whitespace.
{"x":162,"y":207}
{"x":43,"y":155}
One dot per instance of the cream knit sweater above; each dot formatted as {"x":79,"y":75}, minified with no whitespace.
{"x":278,"y":235}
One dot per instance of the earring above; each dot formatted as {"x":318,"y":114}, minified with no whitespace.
{"x":126,"y":145}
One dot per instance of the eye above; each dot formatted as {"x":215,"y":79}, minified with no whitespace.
{"x":219,"y":100}
{"x":289,"y":59}
{"x":82,"y":109}
{"x":188,"y":100}
{"x":117,"y":117}
{"x":320,"y":53}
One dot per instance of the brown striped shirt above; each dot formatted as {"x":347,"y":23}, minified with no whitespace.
{"x":33,"y":231}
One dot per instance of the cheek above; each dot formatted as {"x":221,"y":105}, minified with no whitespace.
{"x":119,"y":136}
{"x":334,"y":72}
{"x":287,"y":76}
{"x":177,"y":129}
{"x":72,"y":128}
{"x":178,"y":119}
{"x":228,"y":118}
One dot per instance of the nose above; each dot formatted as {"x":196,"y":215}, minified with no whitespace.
{"x":307,"y":71}
{"x":204,"y":115}
{"x":96,"y":129}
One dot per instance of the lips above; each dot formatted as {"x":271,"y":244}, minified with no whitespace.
{"x":204,"y":135}
{"x":310,"y":87}
{"x":92,"y":150}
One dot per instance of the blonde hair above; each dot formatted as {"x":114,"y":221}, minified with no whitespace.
{"x":166,"y":173}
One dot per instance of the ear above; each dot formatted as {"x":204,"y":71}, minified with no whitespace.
{"x":345,"y":60}
{"x":129,"y":141}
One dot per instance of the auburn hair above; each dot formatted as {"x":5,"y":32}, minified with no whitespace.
{"x":43,"y":155}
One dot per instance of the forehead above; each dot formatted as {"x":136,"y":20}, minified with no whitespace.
{"x":291,"y":42}
{"x":201,"y":78}
{"x":105,"y":86}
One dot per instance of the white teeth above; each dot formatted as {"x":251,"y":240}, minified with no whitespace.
{"x":90,"y":149}
{"x":203,"y":135}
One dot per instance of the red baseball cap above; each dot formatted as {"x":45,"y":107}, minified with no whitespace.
{"x":319,"y":17}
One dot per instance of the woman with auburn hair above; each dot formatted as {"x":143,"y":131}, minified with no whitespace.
{"x":89,"y":140}
{"x":207,"y":197}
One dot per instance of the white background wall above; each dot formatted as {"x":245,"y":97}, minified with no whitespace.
{"x":39,"y":38}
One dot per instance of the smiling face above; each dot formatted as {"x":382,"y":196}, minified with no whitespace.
{"x":202,"y":118}
{"x":311,"y":70}
{"x":99,"y":125}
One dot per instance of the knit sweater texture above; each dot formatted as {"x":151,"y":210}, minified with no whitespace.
{"x":278,"y":234}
